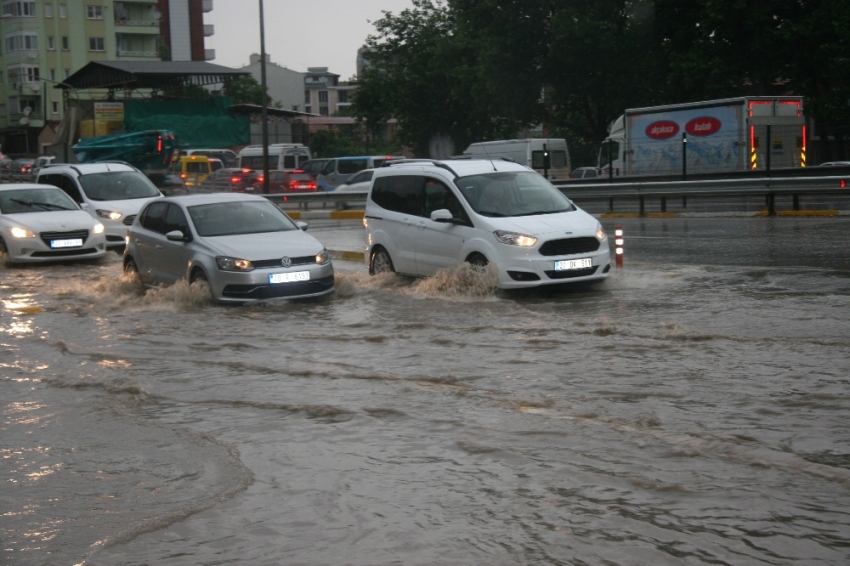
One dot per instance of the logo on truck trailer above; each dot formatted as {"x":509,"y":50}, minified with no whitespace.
{"x":662,"y":129}
{"x":703,"y":126}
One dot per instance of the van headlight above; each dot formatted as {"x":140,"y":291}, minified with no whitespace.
{"x":233,"y":264}
{"x":110,"y":214}
{"x":323,"y":257}
{"x":17,"y":232}
{"x":600,"y":232}
{"x":97,"y":229}
{"x":515,"y":239}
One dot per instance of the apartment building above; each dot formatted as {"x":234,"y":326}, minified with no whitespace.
{"x":45,"y":41}
{"x":324,"y":94}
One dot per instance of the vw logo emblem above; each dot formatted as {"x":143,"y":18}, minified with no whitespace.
{"x":286,"y":262}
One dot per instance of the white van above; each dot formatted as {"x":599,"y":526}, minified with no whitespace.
{"x":529,"y":152}
{"x":282,"y":156}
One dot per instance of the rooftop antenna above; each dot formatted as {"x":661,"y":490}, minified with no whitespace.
{"x":484,"y":147}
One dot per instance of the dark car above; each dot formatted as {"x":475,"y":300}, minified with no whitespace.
{"x":5,"y":166}
{"x":297,"y":181}
{"x":313,"y":166}
{"x":21,"y":169}
{"x":230,"y":179}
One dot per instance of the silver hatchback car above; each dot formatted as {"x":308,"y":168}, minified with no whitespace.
{"x":244,"y":246}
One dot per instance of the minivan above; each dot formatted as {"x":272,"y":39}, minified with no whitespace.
{"x":421,"y":217}
{"x":192,"y":169}
{"x":112,"y":192}
{"x":282,"y":156}
{"x":336,"y":171}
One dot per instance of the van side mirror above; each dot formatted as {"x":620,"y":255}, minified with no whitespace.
{"x":442,"y":215}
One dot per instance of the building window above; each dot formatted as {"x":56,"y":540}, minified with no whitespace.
{"x":19,"y":9}
{"x":63,"y":10}
{"x":94,"y":13}
{"x":308,"y":109}
{"x":53,"y":75}
{"x":21,"y":41}
{"x":96,"y":44}
{"x":51,"y":43}
{"x":48,"y":10}
{"x":306,"y":97}
{"x":67,"y":73}
{"x":343,"y":96}
{"x":323,"y":96}
{"x":65,"y":43}
{"x":55,"y":107}
{"x":323,"y":111}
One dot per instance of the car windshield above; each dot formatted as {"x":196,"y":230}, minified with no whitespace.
{"x":233,"y":217}
{"x":117,"y":185}
{"x":515,"y":193}
{"x":34,"y":200}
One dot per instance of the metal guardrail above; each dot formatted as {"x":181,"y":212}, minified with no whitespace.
{"x":767,"y":187}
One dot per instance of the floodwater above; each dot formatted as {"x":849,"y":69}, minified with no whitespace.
{"x":693,"y":409}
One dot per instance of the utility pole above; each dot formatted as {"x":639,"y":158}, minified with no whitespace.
{"x":265,"y":117}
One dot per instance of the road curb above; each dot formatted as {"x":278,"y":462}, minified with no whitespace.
{"x":346,"y":255}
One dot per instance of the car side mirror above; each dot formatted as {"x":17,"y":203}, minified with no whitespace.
{"x":177,"y":236}
{"x":84,"y":206}
{"x":302,"y":225}
{"x":441,"y":215}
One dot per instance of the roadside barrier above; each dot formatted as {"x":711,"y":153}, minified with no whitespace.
{"x":618,"y":245}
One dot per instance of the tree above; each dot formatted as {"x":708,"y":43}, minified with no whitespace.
{"x":245,"y":90}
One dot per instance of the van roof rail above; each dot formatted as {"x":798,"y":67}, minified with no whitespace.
{"x":434,"y":162}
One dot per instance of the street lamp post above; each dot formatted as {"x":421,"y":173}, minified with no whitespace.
{"x":264,"y":114}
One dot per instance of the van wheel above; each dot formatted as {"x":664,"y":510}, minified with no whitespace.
{"x":3,"y":248}
{"x":130,"y":267}
{"x":478,"y":260}
{"x":380,"y":262}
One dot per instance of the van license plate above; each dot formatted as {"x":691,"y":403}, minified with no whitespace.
{"x":66,"y":243}
{"x":570,"y":264}
{"x":289,"y":277}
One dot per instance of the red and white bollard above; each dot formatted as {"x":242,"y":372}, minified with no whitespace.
{"x":618,"y":246}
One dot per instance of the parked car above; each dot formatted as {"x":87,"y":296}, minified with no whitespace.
{"x":112,"y":192}
{"x":584,"y":173}
{"x":314,"y":166}
{"x":21,"y":169}
{"x":296,"y":181}
{"x":41,"y":223}
{"x":423,"y":217}
{"x":243,"y":246}
{"x":230,"y":179}
{"x":358,"y":183}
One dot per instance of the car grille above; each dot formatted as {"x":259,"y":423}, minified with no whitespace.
{"x":265,"y":263}
{"x":128,"y":219}
{"x":65,"y":253}
{"x":572,"y":273}
{"x":283,"y":290}
{"x":47,"y":236}
{"x":570,"y":246}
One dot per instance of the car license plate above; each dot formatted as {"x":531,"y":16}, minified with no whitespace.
{"x":569,"y":264}
{"x":289,"y":277}
{"x":66,"y":243}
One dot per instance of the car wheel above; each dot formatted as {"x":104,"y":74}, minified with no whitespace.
{"x":3,"y":248}
{"x":199,"y":277}
{"x":478,"y":260}
{"x":130,"y":267}
{"x":381,"y":262}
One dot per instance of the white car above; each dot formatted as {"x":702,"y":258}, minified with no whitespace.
{"x":358,"y":183}
{"x":41,"y":223}
{"x":112,"y":192}
{"x":243,"y":246}
{"x":421,"y":217}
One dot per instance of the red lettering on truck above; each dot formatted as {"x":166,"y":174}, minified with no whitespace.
{"x":704,"y":126}
{"x":662,"y":130}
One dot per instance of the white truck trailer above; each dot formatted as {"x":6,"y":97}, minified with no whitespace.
{"x":529,"y":152}
{"x":716,"y":136}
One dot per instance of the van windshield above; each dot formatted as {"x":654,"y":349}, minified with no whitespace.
{"x":117,"y":185}
{"x":514,"y":193}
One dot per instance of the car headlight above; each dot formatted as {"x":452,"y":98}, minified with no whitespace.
{"x":323,"y":257}
{"x":98,"y":228}
{"x":21,"y":232}
{"x":110,"y":214}
{"x":515,"y":239}
{"x":233,"y":264}
{"x":600,"y":233}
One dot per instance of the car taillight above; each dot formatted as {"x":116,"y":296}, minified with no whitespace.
{"x":183,"y":175}
{"x":260,"y":179}
{"x":235,"y":179}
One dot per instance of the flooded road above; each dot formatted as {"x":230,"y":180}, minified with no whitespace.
{"x":691,"y":410}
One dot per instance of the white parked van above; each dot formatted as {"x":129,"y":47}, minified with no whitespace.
{"x":529,"y":152}
{"x":282,"y":156}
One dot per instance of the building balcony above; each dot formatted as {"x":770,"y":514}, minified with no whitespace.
{"x":209,"y":54}
{"x":146,"y":25}
{"x":209,"y":30}
{"x":128,"y":53}
{"x":208,"y":6}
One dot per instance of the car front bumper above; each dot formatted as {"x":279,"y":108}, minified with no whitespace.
{"x":236,"y":287}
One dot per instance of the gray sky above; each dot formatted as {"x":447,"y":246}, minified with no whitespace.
{"x":308,"y":33}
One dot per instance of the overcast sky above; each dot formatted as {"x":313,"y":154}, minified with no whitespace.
{"x":308,"y":33}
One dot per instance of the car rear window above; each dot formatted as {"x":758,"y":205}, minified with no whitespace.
{"x":349,"y":166}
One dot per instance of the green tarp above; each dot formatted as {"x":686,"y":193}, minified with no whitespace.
{"x":197,"y":123}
